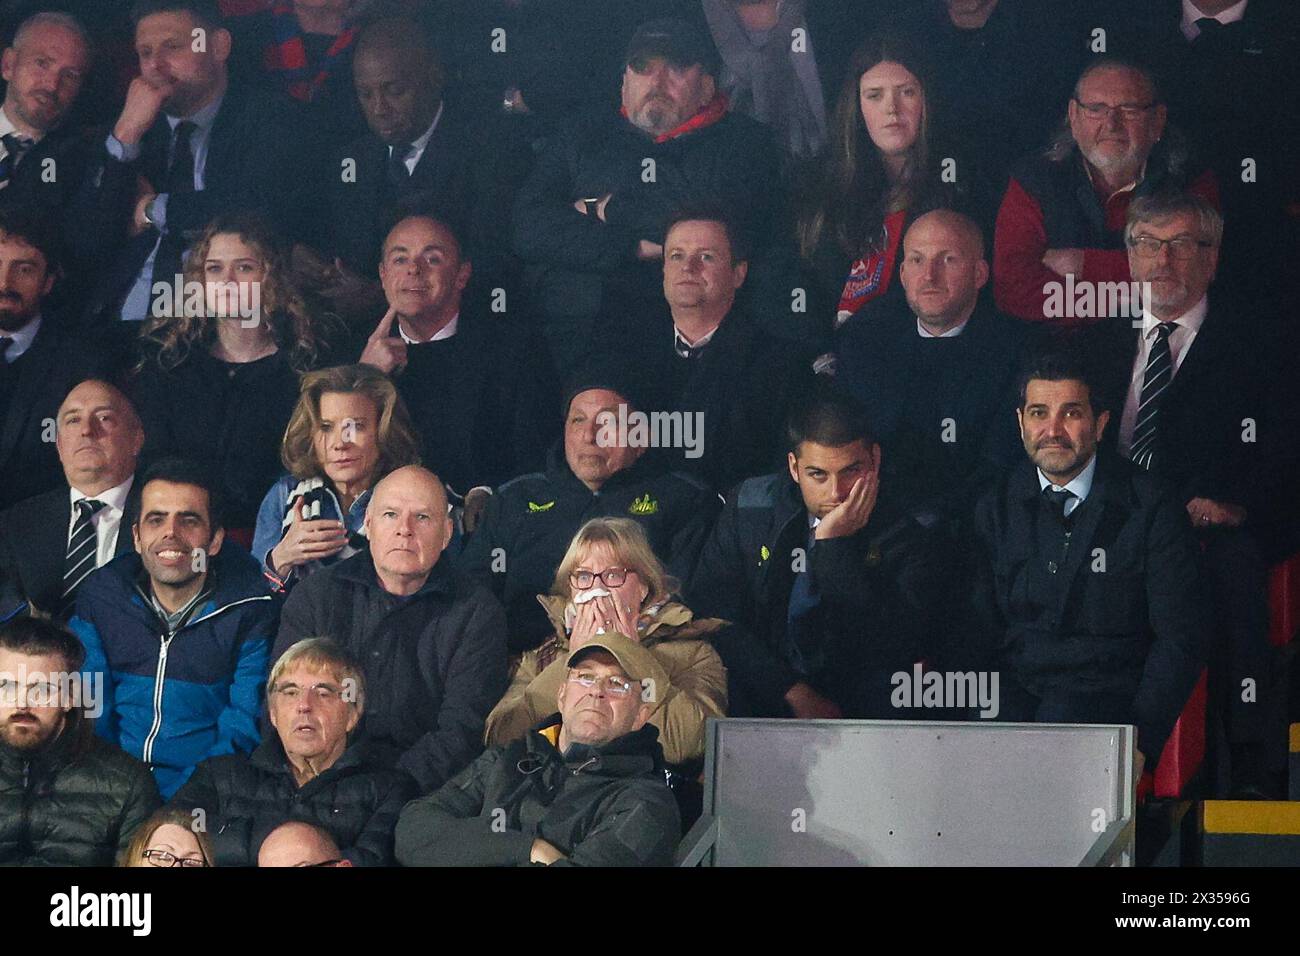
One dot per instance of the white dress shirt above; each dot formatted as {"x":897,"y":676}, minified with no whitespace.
{"x":446,"y":332}
{"x":420,"y":145}
{"x":22,"y":339}
{"x":952,"y":333}
{"x":1080,"y":485}
{"x":107,"y":521}
{"x":1180,"y":340}
{"x":1191,"y":14}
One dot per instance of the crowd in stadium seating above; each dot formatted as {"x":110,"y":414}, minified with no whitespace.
{"x":419,"y":417}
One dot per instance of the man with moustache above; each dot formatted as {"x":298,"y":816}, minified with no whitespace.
{"x":40,"y":159}
{"x":49,"y":543}
{"x":41,"y":358}
{"x":187,"y":146}
{"x":1063,"y":212}
{"x":179,"y":632}
{"x":433,"y":642}
{"x":67,"y":798}
{"x":585,"y":788}
{"x":1088,"y":600}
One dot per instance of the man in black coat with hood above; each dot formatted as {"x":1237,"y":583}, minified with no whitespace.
{"x":586,"y":788}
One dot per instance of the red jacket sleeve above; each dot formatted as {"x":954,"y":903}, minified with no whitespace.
{"x":1019,"y":241}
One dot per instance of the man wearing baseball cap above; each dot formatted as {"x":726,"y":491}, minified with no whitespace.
{"x":590,"y":219}
{"x":585,"y":788}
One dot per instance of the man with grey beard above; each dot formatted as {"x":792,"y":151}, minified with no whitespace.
{"x":590,"y":219}
{"x":1063,"y":212}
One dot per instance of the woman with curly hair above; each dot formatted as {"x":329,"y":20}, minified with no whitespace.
{"x":217,"y":383}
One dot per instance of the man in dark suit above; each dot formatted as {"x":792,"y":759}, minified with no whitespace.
{"x":40,"y":157}
{"x":938,"y":378}
{"x":724,"y":384}
{"x":420,"y":155}
{"x":186,"y":146}
{"x":49,"y":543}
{"x":40,"y":358}
{"x":1087,"y":597}
{"x":1192,"y":384}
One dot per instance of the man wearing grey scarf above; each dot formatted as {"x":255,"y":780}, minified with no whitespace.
{"x":769,"y":73}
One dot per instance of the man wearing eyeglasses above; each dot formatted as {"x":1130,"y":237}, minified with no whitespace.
{"x":309,"y":770}
{"x":1192,"y":378}
{"x":585,"y":788}
{"x":67,"y":797}
{"x":1064,"y":210}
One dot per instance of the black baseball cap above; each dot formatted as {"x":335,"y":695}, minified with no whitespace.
{"x":675,"y":40}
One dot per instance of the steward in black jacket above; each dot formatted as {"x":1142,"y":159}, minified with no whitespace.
{"x":244,"y":798}
{"x":435,"y":660}
{"x":74,"y":803}
{"x":527,"y":526}
{"x":1116,"y":616}
{"x":872,"y":620}
{"x":605,"y":805}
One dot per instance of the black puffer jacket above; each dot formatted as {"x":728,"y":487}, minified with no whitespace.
{"x":600,"y":806}
{"x":74,"y":804}
{"x":246,"y":797}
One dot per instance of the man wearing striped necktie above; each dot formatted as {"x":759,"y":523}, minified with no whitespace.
{"x":50,"y":544}
{"x":1195,"y":415}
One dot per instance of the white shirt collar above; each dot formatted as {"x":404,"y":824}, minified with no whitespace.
{"x":952,"y":333}
{"x":1191,"y":320}
{"x":203,"y":119}
{"x":446,"y":332}
{"x":114,"y":498}
{"x":7,"y":126}
{"x":418,"y":145}
{"x":1081,"y":484}
{"x":699,"y":343}
{"x":22,"y":339}
{"x":1191,"y":14}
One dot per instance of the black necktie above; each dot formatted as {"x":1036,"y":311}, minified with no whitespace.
{"x":83,"y":547}
{"x":1159,"y":374}
{"x":398,"y":175}
{"x":180,"y":171}
{"x":1058,"y":499}
{"x":1208,"y":27}
{"x":687,"y":351}
{"x":15,"y":148}
{"x":5,"y":342}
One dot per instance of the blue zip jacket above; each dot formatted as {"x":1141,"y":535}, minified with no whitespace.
{"x":175,"y":700}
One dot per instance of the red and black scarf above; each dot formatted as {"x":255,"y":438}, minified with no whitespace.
{"x":287,"y":54}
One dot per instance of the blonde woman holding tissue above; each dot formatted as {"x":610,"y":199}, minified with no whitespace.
{"x":610,"y":581}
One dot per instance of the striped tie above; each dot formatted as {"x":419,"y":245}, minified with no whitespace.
{"x":83,"y":546}
{"x":1156,"y":379}
{"x":15,"y":147}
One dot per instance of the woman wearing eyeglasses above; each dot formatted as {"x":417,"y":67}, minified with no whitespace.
{"x":169,"y":838}
{"x":611,"y":581}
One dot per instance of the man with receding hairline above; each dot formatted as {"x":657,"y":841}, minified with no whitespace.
{"x":300,"y":845}
{"x":432,"y":642}
{"x":937,"y":376}
{"x":48,"y":544}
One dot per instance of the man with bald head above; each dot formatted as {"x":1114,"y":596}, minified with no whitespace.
{"x":420,"y":154}
{"x":433,"y":643}
{"x":49,"y":543}
{"x":937,"y":377}
{"x":300,"y":844}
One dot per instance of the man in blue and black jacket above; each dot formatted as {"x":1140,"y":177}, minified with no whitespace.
{"x":179,"y":633}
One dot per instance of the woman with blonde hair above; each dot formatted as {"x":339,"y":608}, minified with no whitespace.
{"x":611,"y":581}
{"x":218,"y":376}
{"x":168,"y":838}
{"x":349,"y":429}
